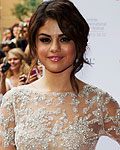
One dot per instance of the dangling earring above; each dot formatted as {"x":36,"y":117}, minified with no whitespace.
{"x":39,"y":63}
{"x":76,"y":61}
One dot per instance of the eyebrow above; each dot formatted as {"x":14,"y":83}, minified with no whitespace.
{"x":49,"y":35}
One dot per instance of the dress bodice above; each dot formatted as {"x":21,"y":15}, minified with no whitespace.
{"x":31,"y":120}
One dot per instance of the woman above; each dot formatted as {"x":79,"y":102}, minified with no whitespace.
{"x":58,"y":111}
{"x":10,"y":79}
{"x":22,"y":41}
{"x":15,"y":29}
{"x":7,"y":35}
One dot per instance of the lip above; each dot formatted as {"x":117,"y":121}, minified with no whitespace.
{"x":55,"y":58}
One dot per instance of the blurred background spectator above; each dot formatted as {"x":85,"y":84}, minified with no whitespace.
{"x":15,"y":32}
{"x":22,"y":40}
{"x":7,"y":45}
{"x":18,"y":67}
{"x":7,"y":35}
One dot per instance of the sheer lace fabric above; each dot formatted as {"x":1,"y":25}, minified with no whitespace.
{"x":31,"y":120}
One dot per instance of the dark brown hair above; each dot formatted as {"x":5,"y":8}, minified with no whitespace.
{"x":71,"y":23}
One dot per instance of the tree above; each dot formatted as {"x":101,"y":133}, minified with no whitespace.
{"x":25,"y":9}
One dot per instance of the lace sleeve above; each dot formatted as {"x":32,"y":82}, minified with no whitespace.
{"x":111,"y":117}
{"x":7,"y":123}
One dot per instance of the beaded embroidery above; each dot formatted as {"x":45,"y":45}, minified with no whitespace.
{"x":41,"y":121}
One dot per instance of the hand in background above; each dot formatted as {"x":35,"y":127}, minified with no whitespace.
{"x":2,"y":75}
{"x":22,"y":80}
{"x":33,"y":78}
{"x":2,"y":80}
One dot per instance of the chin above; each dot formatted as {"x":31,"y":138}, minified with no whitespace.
{"x":60,"y":70}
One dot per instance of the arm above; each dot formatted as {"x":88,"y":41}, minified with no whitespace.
{"x":2,"y":84}
{"x":4,"y":36}
{"x":111,"y":117}
{"x":7,"y":124}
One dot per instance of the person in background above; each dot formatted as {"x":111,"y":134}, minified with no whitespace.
{"x":58,"y":111}
{"x":10,"y":79}
{"x":7,"y":45}
{"x":22,"y":41}
{"x":7,"y":35}
{"x":15,"y":31}
{"x":36,"y":72}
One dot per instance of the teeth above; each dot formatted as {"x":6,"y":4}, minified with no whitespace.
{"x":55,"y":58}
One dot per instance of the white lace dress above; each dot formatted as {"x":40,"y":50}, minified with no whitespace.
{"x":31,"y":120}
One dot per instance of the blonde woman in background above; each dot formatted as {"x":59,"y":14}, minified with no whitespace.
{"x":19,"y":66}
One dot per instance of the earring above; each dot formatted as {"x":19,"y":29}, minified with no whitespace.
{"x":38,"y":62}
{"x":76,"y":61}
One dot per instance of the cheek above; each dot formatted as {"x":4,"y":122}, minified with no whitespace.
{"x":71,"y":51}
{"x":41,"y":50}
{"x":18,"y":62}
{"x":9,"y":62}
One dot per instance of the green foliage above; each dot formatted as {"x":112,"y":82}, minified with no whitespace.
{"x":33,"y":4}
{"x":20,"y":11}
{"x":24,"y":10}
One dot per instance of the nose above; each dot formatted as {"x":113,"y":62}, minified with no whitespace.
{"x":55,"y":46}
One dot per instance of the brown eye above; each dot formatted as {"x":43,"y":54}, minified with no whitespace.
{"x":45,"y":40}
{"x":65,"y":39}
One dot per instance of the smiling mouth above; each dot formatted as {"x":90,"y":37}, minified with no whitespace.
{"x":55,"y":58}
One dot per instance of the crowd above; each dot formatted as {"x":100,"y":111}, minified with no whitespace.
{"x":15,"y":60}
{"x":15,"y":36}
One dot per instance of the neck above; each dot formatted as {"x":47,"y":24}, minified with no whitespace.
{"x":57,"y":82}
{"x":15,"y":73}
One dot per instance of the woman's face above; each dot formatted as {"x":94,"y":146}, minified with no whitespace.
{"x":15,"y":31}
{"x":14,"y":61}
{"x":8,"y":34}
{"x":25,"y":32}
{"x":55,"y":50}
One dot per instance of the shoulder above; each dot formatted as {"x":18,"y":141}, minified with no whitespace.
{"x":94,"y":92}
{"x":16,"y":91}
{"x":16,"y":95}
{"x":102,"y":96}
{"x":88,"y":88}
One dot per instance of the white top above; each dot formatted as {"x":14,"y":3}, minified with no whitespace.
{"x":32,"y":120}
{"x":9,"y":83}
